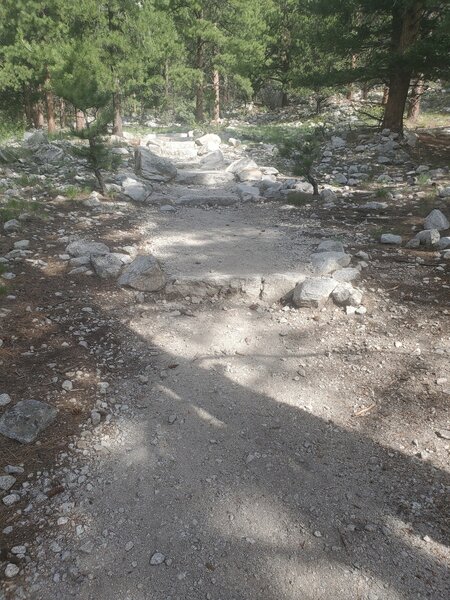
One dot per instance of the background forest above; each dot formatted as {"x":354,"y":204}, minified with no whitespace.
{"x":193,"y":61}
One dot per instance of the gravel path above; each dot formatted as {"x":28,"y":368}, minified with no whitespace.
{"x":239,"y":462}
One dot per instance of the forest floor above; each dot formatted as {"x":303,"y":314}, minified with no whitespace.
{"x":247,"y":449}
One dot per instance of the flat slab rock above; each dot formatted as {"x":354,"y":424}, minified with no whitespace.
{"x":25,"y":420}
{"x":144,"y":273}
{"x":84,"y":248}
{"x":327,"y":262}
{"x":313,"y":292}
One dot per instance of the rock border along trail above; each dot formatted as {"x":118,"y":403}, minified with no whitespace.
{"x":258,"y":417}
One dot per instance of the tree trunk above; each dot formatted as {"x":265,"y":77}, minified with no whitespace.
{"x":50,"y":104}
{"x":200,"y":95}
{"x":284,"y":99}
{"x":117,"y":119}
{"x":28,"y":106}
{"x":405,"y":31}
{"x":351,"y":88}
{"x":38,"y":116}
{"x":62,"y":114}
{"x":216,"y":86}
{"x":414,"y":99}
{"x":80,"y":121}
{"x":385,"y":97}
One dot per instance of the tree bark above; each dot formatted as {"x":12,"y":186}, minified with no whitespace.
{"x":38,"y":116}
{"x":117,"y":118}
{"x":62,"y":114}
{"x":80,"y":121}
{"x":216,"y":86}
{"x":405,"y":31}
{"x":414,"y":99}
{"x":28,"y":106}
{"x":50,"y":104}
{"x":200,"y":95}
{"x":351,"y":88}
{"x":385,"y":98}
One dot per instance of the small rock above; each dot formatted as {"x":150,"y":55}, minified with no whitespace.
{"x":67,"y":385}
{"x":6,"y":482}
{"x":10,"y":499}
{"x":95,"y":418}
{"x":11,"y":225}
{"x":157,"y":559}
{"x":129,"y":546}
{"x":22,"y":244}
{"x":5,"y":399}
{"x":390,"y":238}
{"x":345,"y":294}
{"x":11,"y":570}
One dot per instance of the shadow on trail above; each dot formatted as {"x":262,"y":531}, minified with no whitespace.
{"x":250,"y":497}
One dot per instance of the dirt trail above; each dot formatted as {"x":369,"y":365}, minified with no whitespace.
{"x":255,"y":451}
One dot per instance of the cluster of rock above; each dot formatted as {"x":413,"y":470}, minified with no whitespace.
{"x":204,"y":161}
{"x":429,"y":237}
{"x":142,"y":272}
{"x":333,"y":277}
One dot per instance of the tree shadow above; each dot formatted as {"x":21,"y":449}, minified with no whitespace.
{"x":248,"y":496}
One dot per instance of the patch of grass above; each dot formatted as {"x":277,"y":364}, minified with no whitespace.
{"x":423,"y":179}
{"x":25,"y":180}
{"x":383,"y":193}
{"x":71,"y":192}
{"x":15,"y":206}
{"x":301,"y":198}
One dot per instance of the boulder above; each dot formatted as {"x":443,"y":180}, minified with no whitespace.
{"x":136,"y":190}
{"x":327,"y":262}
{"x":337,"y":142}
{"x":250,"y":174}
{"x":48,"y":153}
{"x":199,"y":177}
{"x":34,"y":139}
{"x":84,"y":248}
{"x":328,"y":195}
{"x":346,"y":275}
{"x":344,"y":294}
{"x":341,"y":178}
{"x":390,"y":238}
{"x":313,"y":292}
{"x":428,"y":237}
{"x":444,"y":243}
{"x":330,"y":246}
{"x":208,"y":143}
{"x":144,"y":273}
{"x":247,"y":192}
{"x":26,"y":419}
{"x":436,"y":220}
{"x":178,"y":150}
{"x":241,"y":164}
{"x":110,"y":265}
{"x":213,"y":160}
{"x":153,"y":167}
{"x":444,"y":192}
